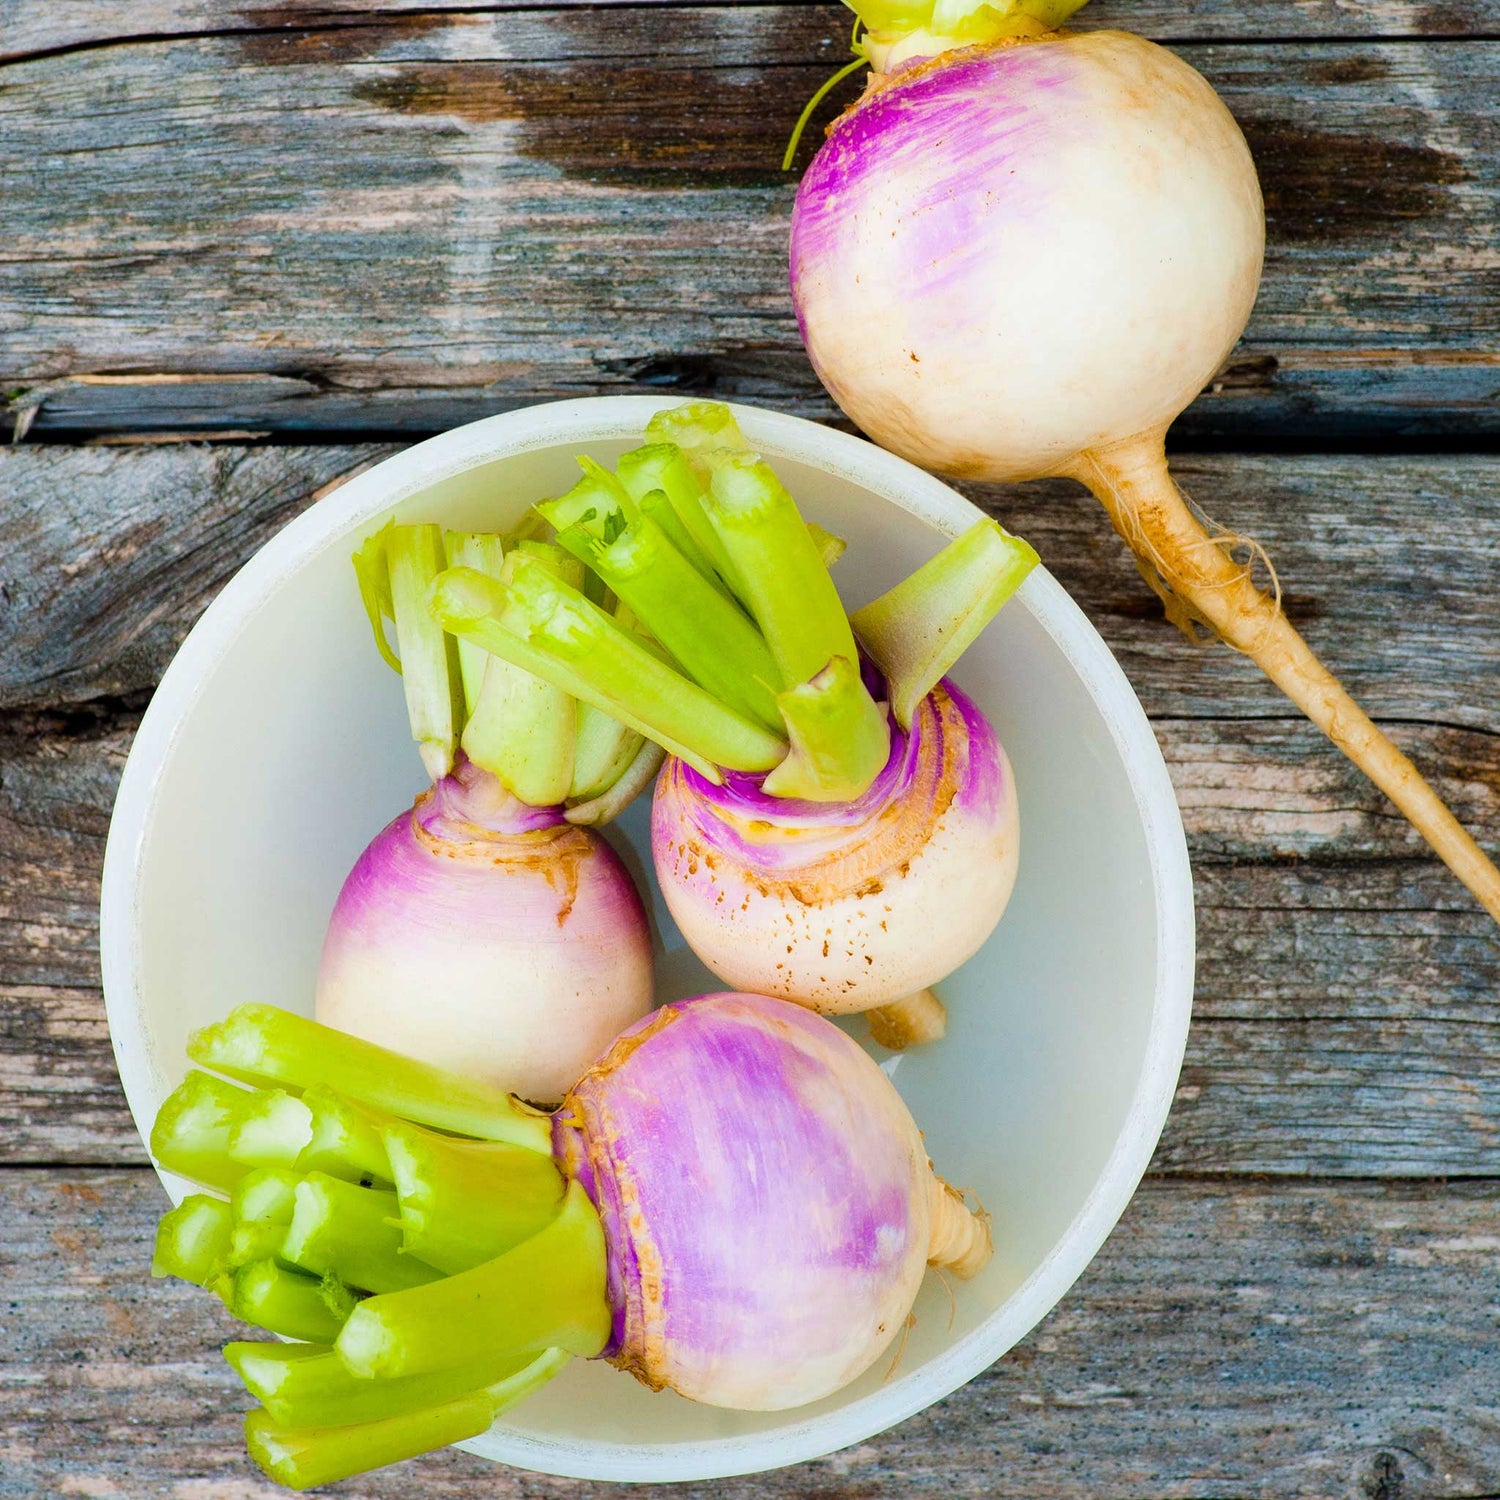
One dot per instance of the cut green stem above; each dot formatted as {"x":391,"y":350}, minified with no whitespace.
{"x":549,"y":1292}
{"x":257,"y":1239}
{"x":484,"y":552}
{"x":289,"y":1303}
{"x":267,"y":1195}
{"x":194,"y":1126}
{"x":265,"y":1045}
{"x":916,"y":631}
{"x":193,"y":1239}
{"x":602,"y":752}
{"x":788,"y":590}
{"x":345,"y":1140}
{"x":839,"y":735}
{"x":466,"y":1202}
{"x":609,"y":804}
{"x":303,"y":1458}
{"x":273,"y":1132}
{"x":306,"y":1385}
{"x":354,"y":1233}
{"x":700,"y":429}
{"x":429,"y":660}
{"x":555,"y":632}
{"x":663,"y":468}
{"x":524,"y":727}
{"x":709,"y":635}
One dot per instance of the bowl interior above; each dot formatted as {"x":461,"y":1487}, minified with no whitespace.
{"x":278,"y":747}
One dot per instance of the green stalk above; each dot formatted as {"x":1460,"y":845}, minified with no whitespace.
{"x":192,"y":1240}
{"x":262,"y":1202}
{"x":345,"y":1140}
{"x":483,"y":551}
{"x":306,"y":1385}
{"x":429,"y":660}
{"x":305,"y":1458}
{"x":524,"y":727}
{"x":273,"y":1132}
{"x":289,"y":1303}
{"x":664,"y":466}
{"x":263,"y":1044}
{"x":700,"y":429}
{"x":374,"y":578}
{"x":655,"y":506}
{"x":257,"y":1239}
{"x":830,"y":547}
{"x":916,"y":631}
{"x":549,"y":1292}
{"x":788,"y":590}
{"x":465,"y":1202}
{"x":602,"y":753}
{"x":354,"y":1233}
{"x":267,"y":1195}
{"x":710,"y":637}
{"x":556,"y":633}
{"x":634,"y":780}
{"x":194,"y":1126}
{"x":591,"y":502}
{"x":839,"y":735}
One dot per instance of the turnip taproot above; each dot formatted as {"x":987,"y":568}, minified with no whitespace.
{"x":1022,"y":253}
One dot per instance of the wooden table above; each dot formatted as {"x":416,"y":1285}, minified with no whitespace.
{"x":249,"y":247}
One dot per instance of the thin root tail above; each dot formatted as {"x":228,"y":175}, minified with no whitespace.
{"x":1193,"y":568}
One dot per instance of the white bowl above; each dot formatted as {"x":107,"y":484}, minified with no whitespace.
{"x":276,"y":747}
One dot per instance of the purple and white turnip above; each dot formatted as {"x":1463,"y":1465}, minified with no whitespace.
{"x":486,"y":930}
{"x":836,"y":824}
{"x":732,"y":1203}
{"x":1022,"y":253}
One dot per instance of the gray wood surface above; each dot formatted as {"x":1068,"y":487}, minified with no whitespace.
{"x":395,"y":227}
{"x":1233,"y":1338}
{"x":1387,"y":563}
{"x":31,"y":27}
{"x":1345,"y":999}
{"x":315,"y":228}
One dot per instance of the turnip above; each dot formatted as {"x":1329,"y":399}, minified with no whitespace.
{"x":1022,"y":253}
{"x":486,"y":930}
{"x":837,"y":824}
{"x":732,"y":1203}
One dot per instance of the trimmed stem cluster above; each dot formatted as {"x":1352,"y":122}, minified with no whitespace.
{"x":543,"y":747}
{"x":407,"y":1225}
{"x":706,"y":619}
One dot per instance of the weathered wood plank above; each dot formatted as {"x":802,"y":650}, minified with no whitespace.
{"x":28,"y":27}
{"x":1346,"y":985}
{"x":1373,"y":398}
{"x":1231,"y":1339}
{"x":1390,"y":565}
{"x":462,"y":213}
{"x":84,"y":530}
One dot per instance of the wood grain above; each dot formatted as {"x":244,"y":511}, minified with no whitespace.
{"x":108,"y":555}
{"x":1345,"y":1002}
{"x":1232,"y":1339}
{"x":29,"y":27}
{"x":392,"y":227}
{"x":1388,"y":564}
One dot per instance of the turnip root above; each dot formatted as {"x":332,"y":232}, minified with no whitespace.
{"x":733,"y":1203}
{"x":1022,"y":253}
